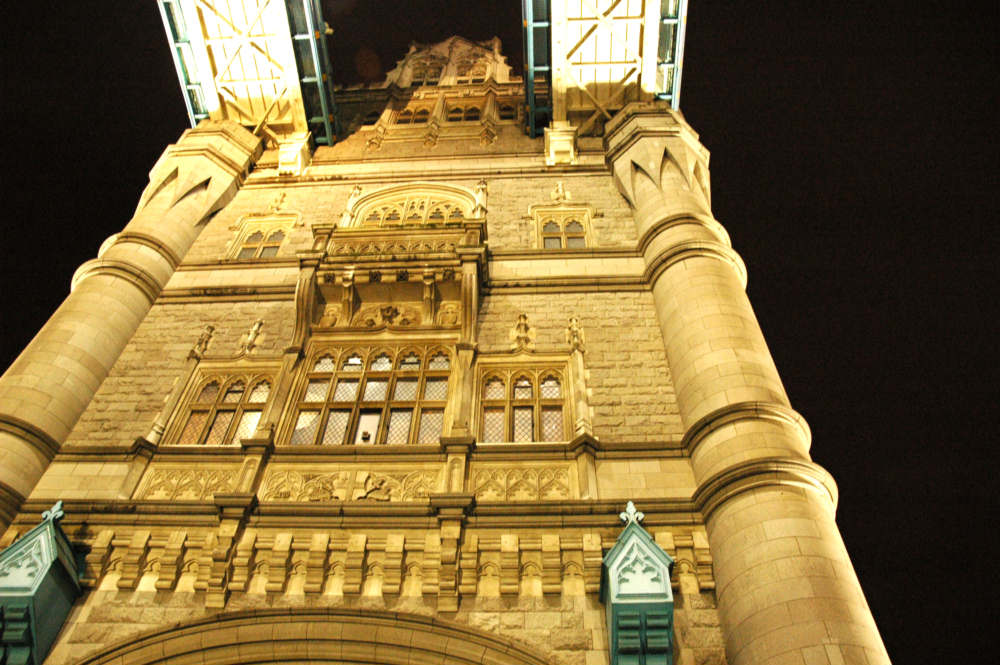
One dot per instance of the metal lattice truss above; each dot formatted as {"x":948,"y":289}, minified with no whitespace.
{"x":246,"y":61}
{"x":607,"y":53}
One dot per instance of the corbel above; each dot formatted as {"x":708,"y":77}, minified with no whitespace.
{"x":430,"y":566}
{"x":134,"y":559}
{"x":510,"y":564}
{"x":354,"y":564}
{"x":593,"y":556}
{"x":551,"y":563}
{"x":703,"y":560}
{"x":171,"y":560}
{"x":469,"y":566}
{"x":96,"y":561}
{"x":316,"y":562}
{"x":243,"y":561}
{"x":279,"y":562}
{"x":392,"y":564}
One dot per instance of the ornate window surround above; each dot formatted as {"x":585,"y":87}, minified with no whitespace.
{"x":562,"y":214}
{"x":226,"y":373}
{"x":266,"y":224}
{"x":459,"y":198}
{"x":415,"y":393}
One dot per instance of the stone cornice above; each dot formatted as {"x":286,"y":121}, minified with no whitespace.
{"x":29,"y":433}
{"x":740,"y":411}
{"x":131,"y":273}
{"x":764,"y":473}
{"x":152,"y":242}
{"x":690,"y":249}
{"x":680,"y":219}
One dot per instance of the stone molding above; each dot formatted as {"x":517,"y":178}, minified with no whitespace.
{"x":29,"y":433}
{"x":740,"y":411}
{"x":770,"y":472}
{"x":131,"y":273}
{"x":321,"y":635}
{"x":695,"y":248}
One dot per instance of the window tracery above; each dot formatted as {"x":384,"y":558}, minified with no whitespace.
{"x":223,"y":411}
{"x":522,"y":405}
{"x":415,"y":208}
{"x":375,"y":396}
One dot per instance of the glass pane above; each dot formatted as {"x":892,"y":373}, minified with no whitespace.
{"x":382,"y":363}
{"x":189,"y":437}
{"x":410,"y":362}
{"x":550,"y":388}
{"x":399,"y":427}
{"x":336,"y":427}
{"x":234,"y":392}
{"x":352,"y":363}
{"x":552,"y":424}
{"x":576,"y":242}
{"x":421,"y":117}
{"x":439,"y":361}
{"x":254,"y":237}
{"x":305,"y":427}
{"x":430,"y":426}
{"x":472,"y":114}
{"x":524,"y":427}
{"x":553,"y":243}
{"x":246,"y":253}
{"x":259,"y":393}
{"x":522,"y":389}
{"x":375,"y":390}
{"x":324,"y":364}
{"x":217,"y":432}
{"x":454,"y":114}
{"x":209,"y":392}
{"x":436,"y":389}
{"x":405,"y":391}
{"x":269,"y":252}
{"x":247,"y":426}
{"x":367,"y":427}
{"x":493,"y":389}
{"x":347,"y":391}
{"x":574,"y":226}
{"x":550,"y":227}
{"x":493,"y":425}
{"x":316,"y":391}
{"x":276,"y":237}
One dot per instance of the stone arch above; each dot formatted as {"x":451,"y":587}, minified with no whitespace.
{"x":451,"y":199}
{"x":317,"y":636}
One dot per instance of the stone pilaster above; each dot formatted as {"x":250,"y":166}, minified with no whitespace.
{"x":786,"y":589}
{"x":46,"y":389}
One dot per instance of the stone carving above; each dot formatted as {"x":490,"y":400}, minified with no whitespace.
{"x":522,"y":484}
{"x":276,"y":203}
{"x":574,"y":335}
{"x":345,"y":217}
{"x":480,"y":209}
{"x":522,"y":335}
{"x":394,"y":248}
{"x":449,"y":315}
{"x":350,"y":485}
{"x":329,"y":317}
{"x":376,"y":316}
{"x":559,"y":194}
{"x":188,"y":484}
{"x":201,"y":346}
{"x":631,"y":514}
{"x":249,"y":339}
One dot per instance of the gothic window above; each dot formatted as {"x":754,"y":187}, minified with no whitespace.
{"x":405,"y":117}
{"x":463,"y":114}
{"x":224,"y":411}
{"x":415,"y":209}
{"x":421,"y":117}
{"x":566,"y":233}
{"x":380,"y":396}
{"x":522,"y":406}
{"x":507,"y":112}
{"x":426,"y":73}
{"x":261,"y":245}
{"x":413,"y":117}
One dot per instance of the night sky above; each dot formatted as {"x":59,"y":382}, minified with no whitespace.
{"x":853,"y":163}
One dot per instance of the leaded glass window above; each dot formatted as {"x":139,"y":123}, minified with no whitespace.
{"x":522,"y":406}
{"x":261,"y":245}
{"x":377,"y":396}
{"x":223,"y":412}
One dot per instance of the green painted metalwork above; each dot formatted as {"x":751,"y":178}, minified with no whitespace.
{"x":39,"y":582}
{"x":670,"y":50}
{"x":639,"y":603}
{"x":305,"y":19}
{"x":537,"y":22}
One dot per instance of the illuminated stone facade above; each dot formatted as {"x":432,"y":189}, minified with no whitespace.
{"x":388,"y":409}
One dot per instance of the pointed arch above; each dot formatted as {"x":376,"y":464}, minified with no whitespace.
{"x":414,"y":204}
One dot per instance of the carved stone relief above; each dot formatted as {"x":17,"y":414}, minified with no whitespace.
{"x":542,"y":483}
{"x":189,"y":484}
{"x":376,"y":316}
{"x":287,"y":485}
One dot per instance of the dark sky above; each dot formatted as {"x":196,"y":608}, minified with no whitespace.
{"x":853,"y":162}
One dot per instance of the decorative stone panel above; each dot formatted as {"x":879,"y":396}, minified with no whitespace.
{"x":349,"y":483}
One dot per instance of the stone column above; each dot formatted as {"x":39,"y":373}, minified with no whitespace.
{"x":787,"y":592}
{"x":49,"y":385}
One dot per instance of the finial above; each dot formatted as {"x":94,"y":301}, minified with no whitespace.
{"x":574,"y":335}
{"x":522,"y":334}
{"x":201,"y":346}
{"x":481,"y":192}
{"x":249,"y":339}
{"x":276,"y":203}
{"x":55,"y":513}
{"x":631,"y":514}
{"x":559,"y":194}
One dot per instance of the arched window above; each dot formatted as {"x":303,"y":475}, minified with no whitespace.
{"x":471,"y":113}
{"x":397,"y":397}
{"x":565,"y":233}
{"x":522,"y":406}
{"x":455,"y":114}
{"x":222,"y":417}
{"x":421,"y":117}
{"x":257,"y":245}
{"x":416,"y":206}
{"x":507,"y":112}
{"x":405,"y":117}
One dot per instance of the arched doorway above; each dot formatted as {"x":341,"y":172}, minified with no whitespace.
{"x":288,"y":636}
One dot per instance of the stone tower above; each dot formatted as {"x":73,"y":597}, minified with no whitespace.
{"x":372,"y":374}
